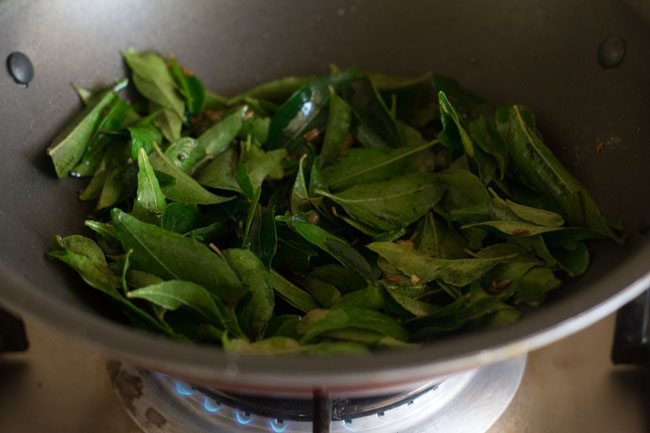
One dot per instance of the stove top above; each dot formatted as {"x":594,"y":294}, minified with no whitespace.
{"x":61,"y":385}
{"x":469,"y":402}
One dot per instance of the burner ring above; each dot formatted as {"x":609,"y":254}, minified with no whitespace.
{"x":302,"y":409}
{"x":439,"y":406}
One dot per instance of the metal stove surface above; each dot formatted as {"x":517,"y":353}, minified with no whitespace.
{"x":469,"y":402}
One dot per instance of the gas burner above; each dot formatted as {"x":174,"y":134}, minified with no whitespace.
{"x":464,"y":403}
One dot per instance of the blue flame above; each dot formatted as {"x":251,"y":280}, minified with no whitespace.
{"x":277,"y":426}
{"x":242,"y":419}
{"x":183,"y":389}
{"x":211,"y":405}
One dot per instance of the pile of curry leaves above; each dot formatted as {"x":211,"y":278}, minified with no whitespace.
{"x":318,"y":214}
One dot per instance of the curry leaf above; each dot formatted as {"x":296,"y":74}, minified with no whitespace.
{"x":276,"y":90}
{"x":268,"y":346}
{"x":117,"y":115}
{"x":293,"y":294}
{"x":453,"y":132}
{"x":173,"y":256}
{"x":210,"y":233}
{"x":462,"y":189}
{"x":376,"y":126}
{"x":484,"y":134}
{"x":437,"y":240}
{"x":338,"y":125}
{"x":318,"y":322}
{"x":303,"y":111}
{"x":173,"y":294}
{"x":459,"y":272}
{"x":87,"y":258}
{"x":255,"y":315}
{"x":367,"y":338}
{"x":326,"y":294}
{"x":339,"y":276}
{"x":217,"y":139}
{"x":181,"y":217}
{"x":335,"y":246}
{"x":69,"y":145}
{"x":150,"y":202}
{"x":181,"y":186}
{"x":154,"y":81}
{"x":392,"y":204}
{"x":85,"y":95}
{"x":360,"y":166}
{"x":105,"y":230}
{"x":537,"y":216}
{"x":138,"y":279}
{"x":514,"y":228}
{"x":214,"y":101}
{"x":262,"y":237}
{"x":220,"y":172}
{"x":143,"y":136}
{"x":257,"y":127}
{"x":299,"y":194}
{"x":415,"y":98}
{"x":255,"y":166}
{"x":190,"y":87}
{"x":543,"y":171}
{"x":119,"y":184}
{"x":573,"y":259}
{"x":370,"y":298}
{"x":414,"y":306}
{"x":185,"y":152}
{"x":535,"y":285}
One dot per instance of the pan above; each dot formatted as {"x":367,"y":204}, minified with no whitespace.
{"x":545,"y":53}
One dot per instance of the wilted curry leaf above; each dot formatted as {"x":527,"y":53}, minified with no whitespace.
{"x":217,"y":139}
{"x":293,"y":294}
{"x":87,"y":258}
{"x":154,"y":81}
{"x":185,"y":152}
{"x":391,"y":204}
{"x":368,"y":165}
{"x":303,"y":111}
{"x":150,"y":202}
{"x":69,"y":145}
{"x":542,"y":170}
{"x":376,"y":127}
{"x":181,"y":187}
{"x":174,"y":294}
{"x":318,"y":322}
{"x":299,"y":194}
{"x":459,"y":272}
{"x":437,"y":240}
{"x":254,"y":316}
{"x":220,"y":172}
{"x":338,"y":248}
{"x":173,"y":256}
{"x":338,"y":125}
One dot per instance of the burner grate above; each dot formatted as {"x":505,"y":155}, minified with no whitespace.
{"x":159,"y":403}
{"x":302,"y":409}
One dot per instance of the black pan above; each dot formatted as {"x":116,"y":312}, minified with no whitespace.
{"x":539,"y":52}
